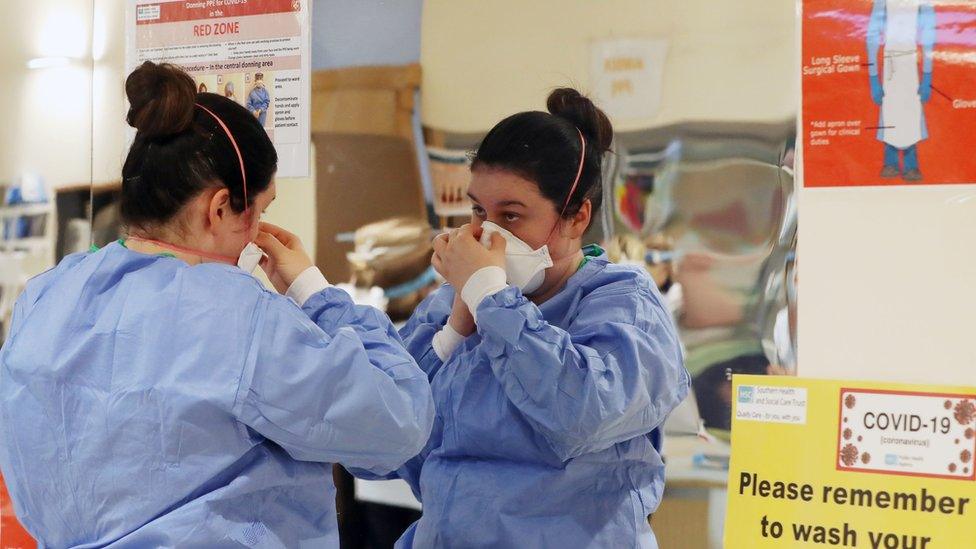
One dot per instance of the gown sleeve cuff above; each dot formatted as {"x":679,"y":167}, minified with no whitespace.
{"x":483,"y":283}
{"x":446,"y":341}
{"x":307,"y":284}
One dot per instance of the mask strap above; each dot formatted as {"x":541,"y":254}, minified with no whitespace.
{"x":572,"y":189}
{"x":181,"y":249}
{"x":240,"y":157}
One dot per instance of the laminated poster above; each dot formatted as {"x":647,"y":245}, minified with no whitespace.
{"x":255,"y":52}
{"x":822,"y":463}
{"x":889,"y":92}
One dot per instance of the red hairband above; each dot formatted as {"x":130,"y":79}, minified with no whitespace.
{"x":579,"y":172}
{"x":240,"y":157}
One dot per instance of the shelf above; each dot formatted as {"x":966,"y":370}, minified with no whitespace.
{"x":26,"y":244}
{"x":18,"y":210}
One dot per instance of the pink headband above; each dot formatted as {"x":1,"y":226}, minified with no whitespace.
{"x":579,"y":172}
{"x":240,"y":158}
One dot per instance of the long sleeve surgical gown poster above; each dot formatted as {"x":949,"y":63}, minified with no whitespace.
{"x":254,"y":52}
{"x":889,"y":92}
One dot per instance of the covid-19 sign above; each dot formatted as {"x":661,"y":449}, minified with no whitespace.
{"x":841,"y":464}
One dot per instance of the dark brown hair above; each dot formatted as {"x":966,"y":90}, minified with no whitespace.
{"x":180,"y":149}
{"x":545,"y":148}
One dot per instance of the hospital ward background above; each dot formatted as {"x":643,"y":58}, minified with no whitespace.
{"x":732,"y":121}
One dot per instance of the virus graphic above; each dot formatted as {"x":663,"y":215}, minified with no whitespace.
{"x":965,"y":456}
{"x":848,"y":434}
{"x":970,"y":433}
{"x":849,"y":455}
{"x":860,"y":438}
{"x":965,"y":412}
{"x":948,"y":404}
{"x":952,"y":467}
{"x":865,"y":458}
{"x":850,"y":401}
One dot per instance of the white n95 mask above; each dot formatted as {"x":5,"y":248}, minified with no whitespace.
{"x":250,"y":257}
{"x":525,"y":268}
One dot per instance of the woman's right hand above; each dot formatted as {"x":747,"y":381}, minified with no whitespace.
{"x":286,"y":259}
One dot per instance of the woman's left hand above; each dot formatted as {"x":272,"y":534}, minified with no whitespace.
{"x":458,"y":255}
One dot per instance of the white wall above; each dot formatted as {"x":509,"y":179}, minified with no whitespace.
{"x":47,"y":112}
{"x":109,"y":130}
{"x":727,"y":61}
{"x":886,"y":279}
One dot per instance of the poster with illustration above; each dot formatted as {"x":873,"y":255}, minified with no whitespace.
{"x":889,"y":92}
{"x":255,"y":53}
{"x":232,"y":87}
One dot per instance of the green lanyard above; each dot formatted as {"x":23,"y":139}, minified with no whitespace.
{"x":121,"y":242}
{"x":589,"y":252}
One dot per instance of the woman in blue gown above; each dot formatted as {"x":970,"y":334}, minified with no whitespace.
{"x":552,"y":369}
{"x":154,"y":394}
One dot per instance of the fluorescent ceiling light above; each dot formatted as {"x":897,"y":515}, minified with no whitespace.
{"x":47,"y":62}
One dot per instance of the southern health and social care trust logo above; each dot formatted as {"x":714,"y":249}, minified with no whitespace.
{"x":746,"y":393}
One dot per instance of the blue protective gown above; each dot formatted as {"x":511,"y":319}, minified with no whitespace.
{"x":259,"y":100}
{"x":148,"y":403}
{"x":545,"y":434}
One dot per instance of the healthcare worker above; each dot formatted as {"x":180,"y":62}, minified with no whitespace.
{"x":153,"y":394}
{"x":229,"y":91}
{"x":896,"y":85}
{"x":258,"y":101}
{"x":552,"y":369}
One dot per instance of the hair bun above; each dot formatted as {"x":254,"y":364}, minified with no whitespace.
{"x":578,"y":109}
{"x":161,"y":99}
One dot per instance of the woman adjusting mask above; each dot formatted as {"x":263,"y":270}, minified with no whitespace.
{"x":525,"y":267}
{"x":164,"y":397}
{"x":552,"y":369}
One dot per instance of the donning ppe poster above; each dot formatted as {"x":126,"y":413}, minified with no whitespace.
{"x":853,"y":464}
{"x":888,"y":92}
{"x":255,"y":52}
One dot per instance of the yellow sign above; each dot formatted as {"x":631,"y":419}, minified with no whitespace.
{"x":819,"y":463}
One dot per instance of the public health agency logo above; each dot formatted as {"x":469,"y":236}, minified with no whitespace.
{"x":746,"y":393}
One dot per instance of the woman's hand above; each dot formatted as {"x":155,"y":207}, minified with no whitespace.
{"x":286,"y":257}
{"x":461,"y":318}
{"x":459,"y":255}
